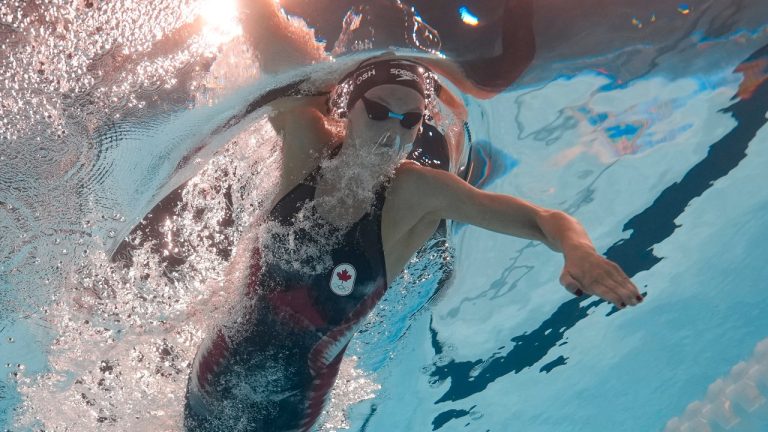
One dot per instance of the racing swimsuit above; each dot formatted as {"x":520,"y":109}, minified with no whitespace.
{"x":278,"y":374}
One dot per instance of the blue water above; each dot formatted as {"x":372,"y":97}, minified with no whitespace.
{"x":665,"y":168}
{"x":507,"y":346}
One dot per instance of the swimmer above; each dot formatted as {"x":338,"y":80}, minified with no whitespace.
{"x":350,"y":213}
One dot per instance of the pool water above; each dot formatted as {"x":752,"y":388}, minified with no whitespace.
{"x":647,"y":127}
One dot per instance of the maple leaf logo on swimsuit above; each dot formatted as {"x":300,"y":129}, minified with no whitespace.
{"x":344,"y":276}
{"x":343,"y":279}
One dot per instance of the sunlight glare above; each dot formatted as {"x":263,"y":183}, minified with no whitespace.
{"x":221,"y":21}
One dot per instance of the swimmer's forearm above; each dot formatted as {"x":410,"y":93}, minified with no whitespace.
{"x":556,"y":229}
{"x":279,"y":42}
{"x":448,"y":197}
{"x":456,"y":75}
{"x":517,"y":217}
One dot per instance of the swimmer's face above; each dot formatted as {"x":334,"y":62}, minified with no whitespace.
{"x":389,"y":133}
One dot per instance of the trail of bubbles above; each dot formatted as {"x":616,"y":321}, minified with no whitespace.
{"x":352,"y":387}
{"x":124,"y":335}
{"x":61,"y":54}
{"x":68,"y":70}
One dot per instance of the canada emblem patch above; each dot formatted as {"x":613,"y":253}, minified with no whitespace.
{"x":343,"y":279}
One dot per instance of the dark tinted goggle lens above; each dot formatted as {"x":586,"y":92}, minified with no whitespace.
{"x":379,"y":112}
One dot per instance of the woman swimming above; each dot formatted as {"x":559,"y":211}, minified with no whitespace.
{"x":353,"y":216}
{"x":350,"y":214}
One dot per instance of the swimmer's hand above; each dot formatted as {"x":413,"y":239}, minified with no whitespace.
{"x":587,"y":272}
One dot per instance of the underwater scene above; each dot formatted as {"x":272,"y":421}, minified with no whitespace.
{"x":141,"y":154}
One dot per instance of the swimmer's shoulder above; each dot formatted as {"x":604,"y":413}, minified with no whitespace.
{"x":408,"y":173}
{"x":428,"y":191}
{"x":412,"y":174}
{"x":415,"y":187}
{"x":406,"y":182}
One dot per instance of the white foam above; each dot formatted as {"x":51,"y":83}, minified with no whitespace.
{"x":352,"y":386}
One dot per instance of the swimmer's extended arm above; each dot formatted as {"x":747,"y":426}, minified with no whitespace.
{"x":279,"y":41}
{"x":445,"y":196}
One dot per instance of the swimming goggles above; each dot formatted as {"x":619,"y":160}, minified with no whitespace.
{"x":379,"y":112}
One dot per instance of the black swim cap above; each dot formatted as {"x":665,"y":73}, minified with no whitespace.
{"x":393,"y":71}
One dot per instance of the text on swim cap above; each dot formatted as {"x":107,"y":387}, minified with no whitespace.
{"x":365,"y":76}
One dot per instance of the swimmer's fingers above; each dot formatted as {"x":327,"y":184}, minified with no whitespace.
{"x":593,"y":287}
{"x":599,"y":288}
{"x":613,"y":293}
{"x":602,"y":284}
{"x":623,"y":284}
{"x":594,"y":274}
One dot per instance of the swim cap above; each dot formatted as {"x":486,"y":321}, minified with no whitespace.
{"x":393,"y":71}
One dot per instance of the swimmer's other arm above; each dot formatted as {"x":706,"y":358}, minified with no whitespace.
{"x":445,"y":196}
{"x":279,"y":41}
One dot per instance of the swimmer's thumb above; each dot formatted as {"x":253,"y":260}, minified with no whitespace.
{"x":571,"y":284}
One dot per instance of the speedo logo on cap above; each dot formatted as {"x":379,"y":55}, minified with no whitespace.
{"x":403,"y":74}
